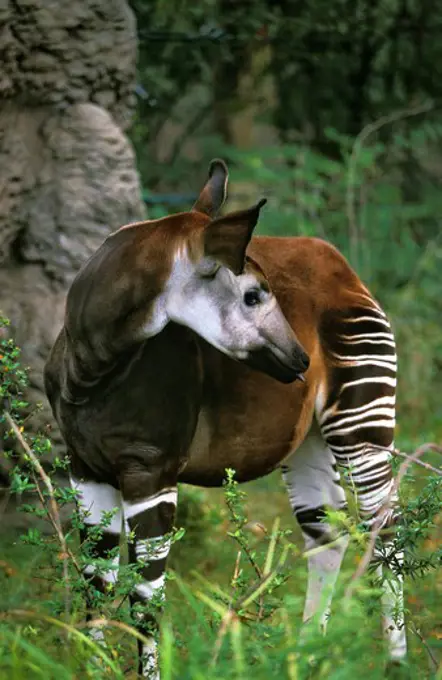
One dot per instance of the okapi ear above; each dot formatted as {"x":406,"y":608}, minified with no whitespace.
{"x":226,"y":238}
{"x":214,"y":192}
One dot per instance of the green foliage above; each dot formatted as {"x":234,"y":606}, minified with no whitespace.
{"x":325,"y":71}
{"x":13,"y":379}
{"x":242,"y":614}
{"x":340,"y":65}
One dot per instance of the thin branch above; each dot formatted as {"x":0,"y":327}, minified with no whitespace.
{"x":378,"y":525}
{"x":427,"y":466}
{"x":435,"y":448}
{"x":418,"y":634}
{"x":227,"y":619}
{"x":189,"y":129}
{"x":231,"y":615}
{"x":356,"y":150}
{"x":53,"y":511}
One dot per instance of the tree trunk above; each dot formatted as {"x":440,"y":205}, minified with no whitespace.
{"x":67,"y":171}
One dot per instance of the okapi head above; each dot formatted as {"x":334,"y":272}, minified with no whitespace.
{"x":190,"y":268}
{"x":222,"y":295}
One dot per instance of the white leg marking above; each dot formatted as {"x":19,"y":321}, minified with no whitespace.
{"x":150,"y":660}
{"x":324,"y":415}
{"x":313,"y":482}
{"x":393,"y":622}
{"x":368,"y":337}
{"x":323,"y":572}
{"x":93,"y":499}
{"x":150,"y":588}
{"x":310,"y":476}
{"x":110,"y":576}
{"x":97,"y":635}
{"x":150,"y":549}
{"x":164,"y":496}
{"x":340,"y":432}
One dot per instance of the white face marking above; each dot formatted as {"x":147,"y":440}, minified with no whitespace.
{"x":215,"y":308}
{"x":164,"y":496}
{"x":157,"y":318}
{"x":94,"y":499}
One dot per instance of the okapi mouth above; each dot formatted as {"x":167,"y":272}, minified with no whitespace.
{"x":283,"y":368}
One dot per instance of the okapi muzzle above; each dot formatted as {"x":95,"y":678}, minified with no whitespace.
{"x":282,"y":357}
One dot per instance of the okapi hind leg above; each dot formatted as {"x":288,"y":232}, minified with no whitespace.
{"x":149,"y":507}
{"x":357,"y":417}
{"x":370,"y":477}
{"x":99,"y":505}
{"x":313,"y":485}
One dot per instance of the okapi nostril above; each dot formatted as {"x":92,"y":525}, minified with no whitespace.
{"x":302,"y":359}
{"x":305,"y":359}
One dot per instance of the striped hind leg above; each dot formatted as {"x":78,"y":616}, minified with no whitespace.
{"x":357,"y":417}
{"x":149,"y":510}
{"x":313,"y":486}
{"x":99,"y":506}
{"x":370,"y":477}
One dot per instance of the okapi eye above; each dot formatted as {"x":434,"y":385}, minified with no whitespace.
{"x":252,"y":298}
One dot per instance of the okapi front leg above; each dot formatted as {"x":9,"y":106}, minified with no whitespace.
{"x":149,"y":511}
{"x":99,"y":506}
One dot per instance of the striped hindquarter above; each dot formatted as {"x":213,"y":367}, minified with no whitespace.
{"x":354,"y":433}
{"x":358,"y":414}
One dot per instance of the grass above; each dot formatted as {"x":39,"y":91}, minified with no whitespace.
{"x":34,"y":648}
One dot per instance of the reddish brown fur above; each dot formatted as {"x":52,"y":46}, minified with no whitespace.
{"x":254,"y":421}
{"x":248,"y":421}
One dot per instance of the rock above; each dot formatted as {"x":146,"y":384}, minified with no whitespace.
{"x":67,"y":171}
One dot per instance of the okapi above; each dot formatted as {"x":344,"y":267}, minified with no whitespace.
{"x":189,"y":347}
